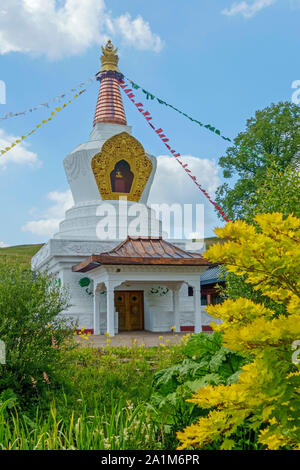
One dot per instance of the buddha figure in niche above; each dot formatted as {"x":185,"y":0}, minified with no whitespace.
{"x":121,"y":178}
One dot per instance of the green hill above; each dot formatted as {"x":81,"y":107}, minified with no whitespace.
{"x":19,"y":254}
{"x":22,"y":254}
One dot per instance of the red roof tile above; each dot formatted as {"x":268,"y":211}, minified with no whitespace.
{"x":143,"y":251}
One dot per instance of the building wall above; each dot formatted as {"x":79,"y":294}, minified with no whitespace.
{"x":158,"y":309}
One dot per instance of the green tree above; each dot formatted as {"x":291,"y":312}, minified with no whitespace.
{"x":34,"y":334}
{"x":279,"y":192}
{"x":272,"y":137}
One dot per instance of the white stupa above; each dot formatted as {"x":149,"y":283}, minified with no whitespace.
{"x":109,"y":250}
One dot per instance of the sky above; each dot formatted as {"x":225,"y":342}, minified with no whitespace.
{"x":216,"y":60}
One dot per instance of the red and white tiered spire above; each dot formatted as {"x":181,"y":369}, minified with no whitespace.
{"x":109,"y":107}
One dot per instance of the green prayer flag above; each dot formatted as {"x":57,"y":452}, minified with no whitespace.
{"x":207,"y":126}
{"x":148,"y":95}
{"x":135,"y":86}
{"x":162,"y":102}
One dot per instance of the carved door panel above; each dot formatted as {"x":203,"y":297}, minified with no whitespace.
{"x":130,"y":307}
{"x":136,"y":310}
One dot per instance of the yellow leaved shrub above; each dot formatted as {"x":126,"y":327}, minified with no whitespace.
{"x":267,"y":394}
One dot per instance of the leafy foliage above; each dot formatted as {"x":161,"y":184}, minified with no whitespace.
{"x":272,"y":137}
{"x":266,"y":397}
{"x":206,"y":362}
{"x":279,"y":192}
{"x":34,"y":334}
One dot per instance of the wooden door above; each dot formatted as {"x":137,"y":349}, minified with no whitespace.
{"x":130,"y":307}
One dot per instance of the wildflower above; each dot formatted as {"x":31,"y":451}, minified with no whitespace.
{"x":54,"y":342}
{"x":33,"y":381}
{"x":46,"y":378}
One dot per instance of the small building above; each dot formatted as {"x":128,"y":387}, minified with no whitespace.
{"x":110,"y":251}
{"x":137,"y":266}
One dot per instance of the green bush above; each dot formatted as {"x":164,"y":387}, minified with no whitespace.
{"x":34,"y":335}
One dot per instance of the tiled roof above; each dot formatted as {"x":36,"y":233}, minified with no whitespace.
{"x":143,"y":251}
{"x":211,"y":275}
{"x":109,"y":105}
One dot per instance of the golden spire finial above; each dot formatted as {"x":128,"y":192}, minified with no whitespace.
{"x":109,"y":58}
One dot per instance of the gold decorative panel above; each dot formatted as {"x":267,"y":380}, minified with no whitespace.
{"x":121,"y":152}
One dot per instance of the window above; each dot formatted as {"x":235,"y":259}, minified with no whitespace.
{"x":190,"y":291}
{"x":203,"y":299}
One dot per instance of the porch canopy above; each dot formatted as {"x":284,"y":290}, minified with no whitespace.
{"x":144,"y":260}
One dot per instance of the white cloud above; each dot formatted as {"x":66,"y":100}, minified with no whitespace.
{"x":3,"y":245}
{"x":59,"y":28}
{"x":172,"y":185}
{"x":19,"y":154}
{"x":135,"y":32}
{"x":49,"y":223}
{"x":247,"y":9}
{"x":184,"y":191}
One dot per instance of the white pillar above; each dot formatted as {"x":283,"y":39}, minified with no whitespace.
{"x":197,"y":307}
{"x":96,"y":312}
{"x":110,"y":322}
{"x":176,"y":309}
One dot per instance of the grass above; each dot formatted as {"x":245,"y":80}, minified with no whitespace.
{"x":102,"y":377}
{"x":121,"y":428}
{"x":101,"y":406}
{"x":20,"y":254}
